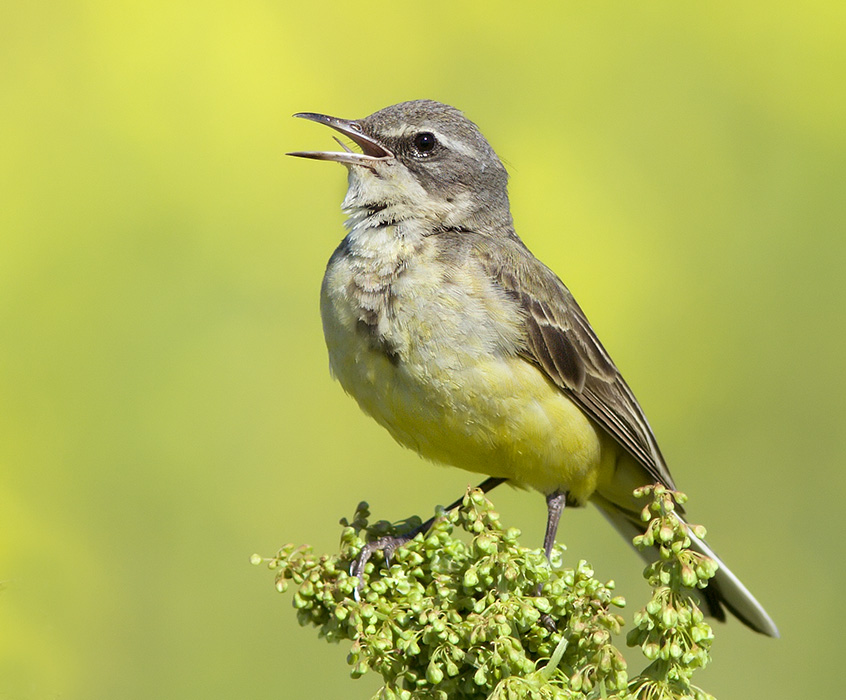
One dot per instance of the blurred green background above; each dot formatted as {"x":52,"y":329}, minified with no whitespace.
{"x":165,"y":404}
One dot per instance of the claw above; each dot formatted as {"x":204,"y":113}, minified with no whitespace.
{"x":388,"y":545}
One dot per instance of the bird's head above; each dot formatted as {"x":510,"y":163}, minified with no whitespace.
{"x":420,"y":159}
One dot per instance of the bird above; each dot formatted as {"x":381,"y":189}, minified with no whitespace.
{"x":454,"y":337}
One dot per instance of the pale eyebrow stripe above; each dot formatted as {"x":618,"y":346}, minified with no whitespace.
{"x":457,"y":146}
{"x":461,"y":147}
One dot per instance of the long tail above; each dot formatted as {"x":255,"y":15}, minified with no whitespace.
{"x":724,"y":591}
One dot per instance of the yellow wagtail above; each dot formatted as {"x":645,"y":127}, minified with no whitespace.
{"x":468,"y":349}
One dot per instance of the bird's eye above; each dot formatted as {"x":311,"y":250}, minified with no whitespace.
{"x":424,"y":142}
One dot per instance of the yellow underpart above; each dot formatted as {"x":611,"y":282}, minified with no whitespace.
{"x":440,"y":369}
{"x":495,"y":416}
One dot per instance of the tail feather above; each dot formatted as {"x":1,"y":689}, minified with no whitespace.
{"x":725,"y":590}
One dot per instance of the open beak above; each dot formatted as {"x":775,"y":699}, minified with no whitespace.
{"x":371,"y":150}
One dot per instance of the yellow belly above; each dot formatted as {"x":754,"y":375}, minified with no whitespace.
{"x":498,"y":416}
{"x":437,"y":364}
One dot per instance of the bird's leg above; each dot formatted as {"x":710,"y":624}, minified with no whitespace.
{"x":555,"y":503}
{"x":390,"y":543}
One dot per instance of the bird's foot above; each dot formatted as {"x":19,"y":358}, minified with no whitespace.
{"x":387,"y":545}
{"x":390,"y":543}
{"x":545,"y":619}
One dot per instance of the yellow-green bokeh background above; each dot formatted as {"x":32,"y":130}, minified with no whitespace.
{"x":165,"y":405}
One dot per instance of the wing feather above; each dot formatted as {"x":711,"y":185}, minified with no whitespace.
{"x":561,"y":342}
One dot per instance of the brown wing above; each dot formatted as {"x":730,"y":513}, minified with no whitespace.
{"x":561,"y":342}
